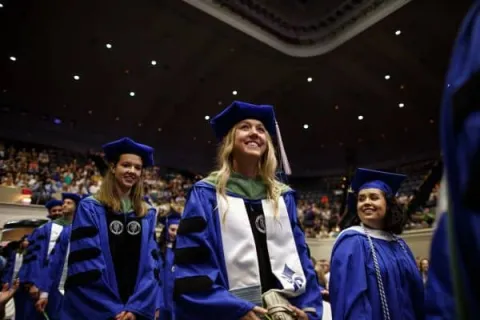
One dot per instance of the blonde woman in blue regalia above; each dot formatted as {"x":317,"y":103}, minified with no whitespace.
{"x":240,"y":252}
{"x":373,"y":272}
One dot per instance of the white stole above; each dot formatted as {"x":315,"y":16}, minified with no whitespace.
{"x":240,"y":252}
{"x":17,"y":265}
{"x":63,"y":279}
{"x":54,"y":234}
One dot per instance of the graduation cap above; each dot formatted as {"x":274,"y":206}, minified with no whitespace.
{"x":238,"y":111}
{"x":113,"y":151}
{"x":172,"y":218}
{"x":53,"y":203}
{"x":72,"y":196}
{"x":387,"y":182}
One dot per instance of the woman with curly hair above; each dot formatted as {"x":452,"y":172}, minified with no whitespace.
{"x":373,"y":272}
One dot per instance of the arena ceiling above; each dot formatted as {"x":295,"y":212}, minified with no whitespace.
{"x":79,"y":73}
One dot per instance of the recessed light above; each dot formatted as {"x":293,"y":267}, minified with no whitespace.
{"x":57,"y":121}
{"x":401,"y":105}
{"x":13,"y":58}
{"x":234,"y":92}
{"x":90,"y":111}
{"x":159,"y":129}
{"x":220,"y":103}
{"x":432,"y":121}
{"x":309,"y":79}
{"x":117,"y":118}
{"x":360,"y":117}
{"x":76,"y":77}
{"x":1,"y":5}
{"x":140,"y":124}
{"x":132,"y":94}
{"x":207,"y":117}
{"x":398,"y":32}
{"x":387,"y":77}
{"x":337,"y":107}
{"x":108,"y":45}
{"x":153,"y":62}
{"x":305,"y":126}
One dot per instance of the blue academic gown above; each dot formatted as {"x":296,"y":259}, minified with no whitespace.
{"x":354,"y":293}
{"x":201,"y":289}
{"x":50,"y":281}
{"x":166,"y":309}
{"x":23,"y":302}
{"x":458,"y":275}
{"x":25,"y":308}
{"x":439,"y":302}
{"x":91,"y":291}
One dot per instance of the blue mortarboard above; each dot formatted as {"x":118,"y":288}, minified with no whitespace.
{"x":172,"y":217}
{"x":53,"y":203}
{"x":113,"y":151}
{"x":238,"y":111}
{"x":72,"y":196}
{"x":364,"y":179}
{"x":386,"y":181}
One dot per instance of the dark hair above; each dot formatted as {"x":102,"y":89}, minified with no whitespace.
{"x":395,"y":217}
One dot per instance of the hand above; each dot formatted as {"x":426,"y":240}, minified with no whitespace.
{"x":125,"y":315}
{"x":34,"y":292}
{"x":7,"y":293}
{"x":301,"y":315}
{"x":157,"y":314}
{"x":252,"y":314}
{"x":41,"y":304}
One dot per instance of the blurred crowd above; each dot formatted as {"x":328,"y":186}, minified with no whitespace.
{"x":43,"y":172}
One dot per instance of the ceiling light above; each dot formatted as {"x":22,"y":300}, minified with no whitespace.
{"x":305,"y":126}
{"x":360,"y":117}
{"x":207,"y":117}
{"x":117,"y":118}
{"x":57,"y":121}
{"x":153,"y":62}
{"x":132,"y":94}
{"x":76,"y":77}
{"x":140,"y":124}
{"x":398,"y":32}
{"x":387,"y":77}
{"x":159,"y":129}
{"x":337,"y":107}
{"x":234,"y":92}
{"x":1,"y":5}
{"x":401,"y":105}
{"x":309,"y":79}
{"x":90,"y":111}
{"x":108,"y":45}
{"x":13,"y":58}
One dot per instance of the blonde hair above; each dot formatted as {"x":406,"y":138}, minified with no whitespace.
{"x":267,"y":167}
{"x":109,"y":197}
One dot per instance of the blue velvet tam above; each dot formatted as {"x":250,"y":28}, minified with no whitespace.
{"x":113,"y":151}
{"x":239,"y":111}
{"x":72,"y":196}
{"x":387,"y":182}
{"x":53,"y":203}
{"x":172,"y":218}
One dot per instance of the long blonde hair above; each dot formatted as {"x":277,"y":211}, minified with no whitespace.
{"x":267,"y":167}
{"x":109,"y":197}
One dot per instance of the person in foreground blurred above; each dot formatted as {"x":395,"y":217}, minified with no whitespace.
{"x":239,"y":245}
{"x":166,"y":244}
{"x":8,"y":291}
{"x":52,"y":282}
{"x":16,"y":252}
{"x":452,"y":290}
{"x":113,"y":260}
{"x":373,"y":271}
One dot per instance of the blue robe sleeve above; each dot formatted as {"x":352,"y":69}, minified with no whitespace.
{"x":33,"y":258}
{"x":348,"y":280}
{"x":53,"y":272}
{"x":89,"y":287}
{"x":7,"y":273}
{"x":159,"y":302}
{"x":200,"y":290}
{"x":417,"y":290}
{"x":439,"y":300}
{"x":312,"y":298}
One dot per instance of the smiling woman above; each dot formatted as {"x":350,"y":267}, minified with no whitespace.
{"x":120,"y":281}
{"x":373,"y":272}
{"x":240,"y":252}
